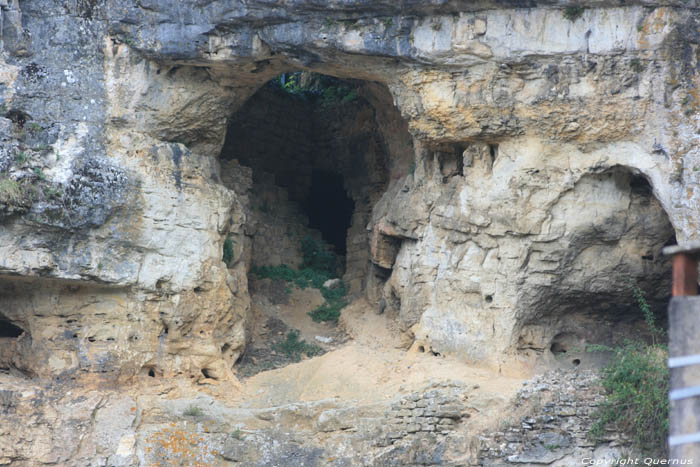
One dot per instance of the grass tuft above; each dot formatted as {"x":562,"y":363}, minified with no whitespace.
{"x":637,"y":385}
{"x":192,"y":411}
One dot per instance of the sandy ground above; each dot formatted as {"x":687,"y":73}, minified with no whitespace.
{"x":371,"y":367}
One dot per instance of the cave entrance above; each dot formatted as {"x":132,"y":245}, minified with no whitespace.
{"x":9,"y":333}
{"x":7,"y":329}
{"x":312,"y":160}
{"x":613,"y":276}
{"x":329,"y":208}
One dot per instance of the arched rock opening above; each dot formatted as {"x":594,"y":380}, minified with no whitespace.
{"x":612,"y":253}
{"x":312,"y":158}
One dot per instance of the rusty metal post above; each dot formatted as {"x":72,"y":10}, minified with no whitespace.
{"x":684,"y":355}
{"x":685,"y":275}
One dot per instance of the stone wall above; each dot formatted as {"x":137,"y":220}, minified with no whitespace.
{"x":556,"y":432}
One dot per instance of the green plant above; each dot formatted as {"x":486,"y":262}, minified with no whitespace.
{"x":573,"y":12}
{"x":192,"y":411}
{"x":637,"y":383}
{"x":637,"y":65}
{"x":302,"y":278}
{"x":388,"y":22}
{"x":237,"y":434}
{"x":52,"y":191}
{"x":436,"y":26}
{"x":34,"y":127}
{"x":649,"y":318}
{"x":228,"y":251}
{"x":315,"y":256}
{"x":328,"y":312}
{"x":331,"y":96}
{"x":39,"y":173}
{"x":21,"y":157}
{"x":293,"y":348}
{"x":319,"y":265}
{"x":42,"y":147}
{"x":10,"y":192}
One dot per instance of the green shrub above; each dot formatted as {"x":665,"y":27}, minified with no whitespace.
{"x":573,"y":12}
{"x":192,"y":411}
{"x":302,"y":278}
{"x":319,"y":265}
{"x":282,"y":272}
{"x":293,"y":348}
{"x":228,"y":251}
{"x":316,"y":257}
{"x":329,"y":311}
{"x":637,"y":383}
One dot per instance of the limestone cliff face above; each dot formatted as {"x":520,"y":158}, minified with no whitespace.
{"x":547,"y":153}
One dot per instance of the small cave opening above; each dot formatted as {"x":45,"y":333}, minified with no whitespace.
{"x":7,"y":329}
{"x":9,"y":334}
{"x":615,"y":280}
{"x":329,"y":208}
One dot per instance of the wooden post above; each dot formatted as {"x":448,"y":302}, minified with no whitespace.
{"x":685,"y":275}
{"x":684,"y":355}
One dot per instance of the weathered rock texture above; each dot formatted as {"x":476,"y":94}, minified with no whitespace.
{"x":552,"y":156}
{"x":534,"y":136}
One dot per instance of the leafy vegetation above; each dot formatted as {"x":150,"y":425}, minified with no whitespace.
{"x":318,"y":266}
{"x":294,"y":348}
{"x":317,"y":257}
{"x":637,"y":383}
{"x":228,"y":251}
{"x":39,"y":173}
{"x":573,"y":12}
{"x":326,"y":91}
{"x":301,"y":278}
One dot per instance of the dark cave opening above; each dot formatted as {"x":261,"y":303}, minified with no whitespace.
{"x":7,"y":329}
{"x":329,"y":208}
{"x":308,"y":155}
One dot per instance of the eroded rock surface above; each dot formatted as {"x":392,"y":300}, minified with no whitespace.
{"x":520,"y":168}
